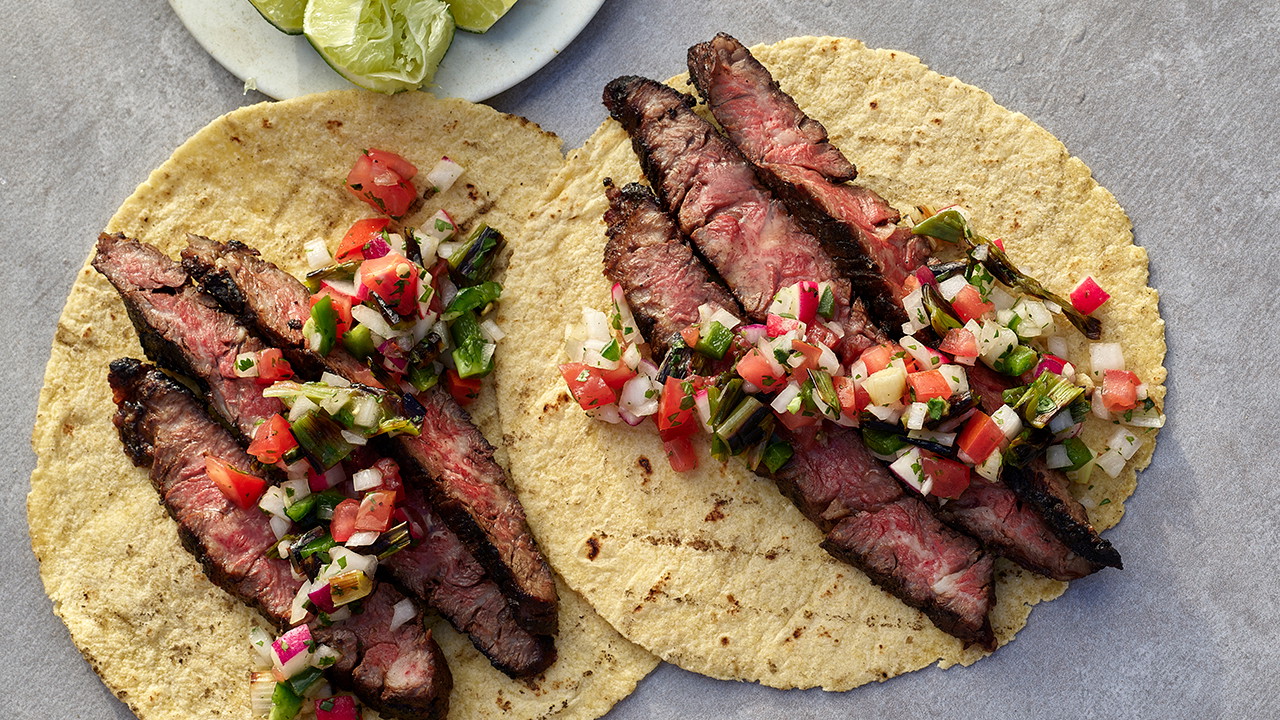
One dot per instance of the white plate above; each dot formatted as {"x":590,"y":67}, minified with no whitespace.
{"x":476,"y":67}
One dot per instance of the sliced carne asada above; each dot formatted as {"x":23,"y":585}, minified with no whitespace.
{"x":195,"y":336}
{"x":163,"y":426}
{"x":1045,"y":489}
{"x":874,"y":525}
{"x":744,"y":232}
{"x":870,"y":521}
{"x":451,"y":458}
{"x":792,"y":155}
{"x":652,"y":261}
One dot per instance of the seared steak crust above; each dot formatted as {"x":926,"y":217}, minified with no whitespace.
{"x":1046,"y":490}
{"x":653,"y":262}
{"x":874,"y":525}
{"x":202,"y":340}
{"x":162,"y":425}
{"x":792,"y":155}
{"x":451,"y":458}
{"x":745,"y":232}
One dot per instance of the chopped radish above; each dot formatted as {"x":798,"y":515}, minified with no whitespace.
{"x":1087,"y":296}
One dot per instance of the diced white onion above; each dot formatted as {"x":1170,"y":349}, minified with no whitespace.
{"x":597,"y":325}
{"x":994,"y":340}
{"x":925,"y":357}
{"x":858,"y":372}
{"x":1035,"y":317}
{"x":989,"y":469}
{"x":260,"y":640}
{"x":1111,"y":460}
{"x":639,"y":396}
{"x":402,"y":612}
{"x":344,"y":560}
{"x":917,"y":318}
{"x":366,"y":479}
{"x":702,"y":401}
{"x":373,"y":319}
{"x":437,"y":229}
{"x":916,"y":413}
{"x":908,"y":467}
{"x":1057,"y":345}
{"x":294,"y":490}
{"x":1008,"y":420}
{"x":361,"y":539}
{"x":493,"y":333}
{"x":317,"y":254}
{"x":1105,"y":356}
{"x":1055,"y":456}
{"x":786,"y":302}
{"x":827,"y":360}
{"x":366,"y":411}
{"x":784,"y":398}
{"x":443,"y":175}
{"x":272,"y":502}
{"x":952,"y":286}
{"x":335,"y":402}
{"x":353,"y":438}
{"x":246,"y":365}
{"x":956,"y":377}
{"x":1001,"y":299}
{"x":1061,"y":422}
{"x":280,"y":526}
{"x":710,"y":312}
{"x":298,"y":613}
{"x":335,"y":380}
{"x":942,"y":438}
{"x":1124,"y":442}
{"x":887,"y":413}
{"x":607,"y":413}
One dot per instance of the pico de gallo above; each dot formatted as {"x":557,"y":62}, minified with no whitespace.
{"x":413,"y":304}
{"x":760,"y":390}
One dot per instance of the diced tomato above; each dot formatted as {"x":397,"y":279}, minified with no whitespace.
{"x":950,"y":478}
{"x":756,"y":369}
{"x":374,"y":514}
{"x":341,"y":707}
{"x":587,"y":385}
{"x":382,"y":179}
{"x":341,"y":306}
{"x":343,"y":524}
{"x":681,"y":454}
{"x":821,"y":334}
{"x":271,"y":440}
{"x":852,"y":397}
{"x":811,"y":355}
{"x":391,"y":479}
{"x":272,"y":366}
{"x":617,"y":377}
{"x":1088,"y":296}
{"x":968,"y":304}
{"x":394,"y":278}
{"x":928,"y":385}
{"x":676,"y":409}
{"x":361,"y":234}
{"x":240,"y":488}
{"x":463,"y":390}
{"x":690,"y":335}
{"x":878,"y":358}
{"x":777,"y":326}
{"x":980,"y":437}
{"x":1119,"y":390}
{"x":911,"y":284}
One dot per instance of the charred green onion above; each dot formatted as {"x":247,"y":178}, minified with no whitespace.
{"x":473,"y":262}
{"x":321,"y":438}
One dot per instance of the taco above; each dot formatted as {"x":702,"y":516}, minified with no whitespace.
{"x":713,"y":569}
{"x":164,"y":638}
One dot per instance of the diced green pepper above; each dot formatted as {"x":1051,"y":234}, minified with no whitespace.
{"x":469,"y":356}
{"x":305,"y":679}
{"x":285,"y":703}
{"x":715,"y":342}
{"x":1017,"y":360}
{"x":475,"y":297}
{"x":358,"y":341}
{"x":777,"y":455}
{"x":827,"y":303}
{"x":324,"y":323}
{"x":423,"y":377}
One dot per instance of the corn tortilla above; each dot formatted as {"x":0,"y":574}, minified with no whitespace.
{"x":163,"y":638}
{"x":714,"y":570}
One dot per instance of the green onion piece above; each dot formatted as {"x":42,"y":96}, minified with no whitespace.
{"x":322,"y":544}
{"x":473,"y":262}
{"x":424,"y":377}
{"x":1077,"y":452}
{"x":1017,"y":360}
{"x":742,"y":427}
{"x":350,"y":585}
{"x":475,"y":297}
{"x":1013,"y":395}
{"x":1025,"y":447}
{"x":392,"y":541}
{"x":715,"y":342}
{"x":305,"y":679}
{"x":301,"y":509}
{"x":469,"y":353}
{"x":321,"y":438}
{"x":358,"y":341}
{"x":942,"y":317}
{"x":340,"y":271}
{"x":728,"y":398}
{"x":882,"y":442}
{"x":947,"y":226}
{"x":1045,"y":397}
{"x":827,"y":303}
{"x":285,"y":703}
{"x":324,"y":321}
{"x":1080,"y":410}
{"x":777,"y":455}
{"x":826,"y":390}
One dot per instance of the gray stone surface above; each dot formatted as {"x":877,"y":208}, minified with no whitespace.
{"x":1173,"y":105}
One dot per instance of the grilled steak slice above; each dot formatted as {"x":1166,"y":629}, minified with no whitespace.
{"x":185,"y":330}
{"x":162,"y":425}
{"x":653,"y":262}
{"x":451,"y":458}
{"x":1046,"y":490}
{"x":745,"y":232}
{"x":196,"y":337}
{"x":870,"y":521}
{"x":792,"y":155}
{"x":874,"y":525}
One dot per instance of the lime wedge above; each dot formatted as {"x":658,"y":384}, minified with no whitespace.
{"x":286,"y":15}
{"x":478,"y":15}
{"x":384,"y":45}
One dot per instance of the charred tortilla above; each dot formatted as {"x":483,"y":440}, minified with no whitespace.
{"x":164,"y":639}
{"x":714,"y":570}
